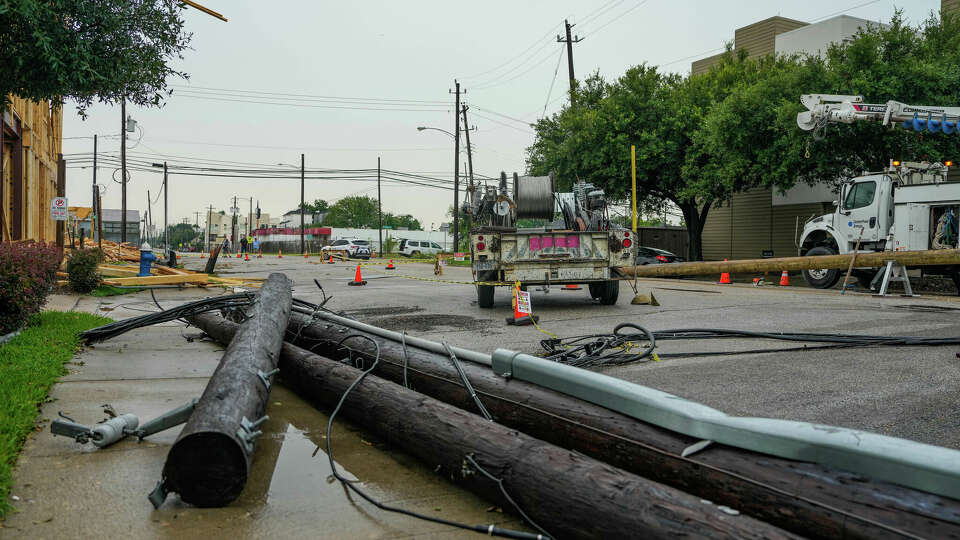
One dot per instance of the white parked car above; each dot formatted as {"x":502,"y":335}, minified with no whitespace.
{"x":356,"y":249}
{"x":412,"y":248}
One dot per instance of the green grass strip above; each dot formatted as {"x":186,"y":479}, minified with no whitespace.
{"x":29,"y":365}
{"x":110,"y":290}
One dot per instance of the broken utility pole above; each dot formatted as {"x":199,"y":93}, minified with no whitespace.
{"x":209,"y":464}
{"x":456,"y":166}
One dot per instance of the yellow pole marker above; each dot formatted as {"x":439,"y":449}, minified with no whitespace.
{"x":633,"y":168}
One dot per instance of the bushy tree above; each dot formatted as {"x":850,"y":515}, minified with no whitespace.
{"x":88,"y":50}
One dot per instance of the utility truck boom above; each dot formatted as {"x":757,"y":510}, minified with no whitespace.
{"x":832,"y":108}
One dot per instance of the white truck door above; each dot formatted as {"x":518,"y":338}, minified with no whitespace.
{"x":860,"y":209}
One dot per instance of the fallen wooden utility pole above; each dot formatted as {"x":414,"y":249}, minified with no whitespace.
{"x":819,"y":502}
{"x":935,"y":257}
{"x":569,"y":494}
{"x":209,"y":463}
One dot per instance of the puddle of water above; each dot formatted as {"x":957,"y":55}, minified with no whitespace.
{"x":426,"y":323}
{"x":291,"y":492}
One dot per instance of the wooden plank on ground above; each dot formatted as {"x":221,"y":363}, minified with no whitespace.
{"x":160,"y":280}
{"x":109,"y":270}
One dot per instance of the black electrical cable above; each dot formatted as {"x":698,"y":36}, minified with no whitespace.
{"x":490,"y":529}
{"x":466,"y":383}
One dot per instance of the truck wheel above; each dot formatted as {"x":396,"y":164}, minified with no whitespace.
{"x":610,"y":291}
{"x":821,"y":278}
{"x":485,"y":296}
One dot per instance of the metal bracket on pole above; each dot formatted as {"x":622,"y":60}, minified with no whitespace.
{"x":895,"y":271}
{"x":158,"y":495}
{"x":248,"y":432}
{"x":265,"y":377}
{"x":167,"y":420}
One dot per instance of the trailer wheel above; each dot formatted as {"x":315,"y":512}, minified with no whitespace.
{"x":596,"y":290}
{"x":485,"y":296}
{"x":821,"y":278}
{"x":610,"y":291}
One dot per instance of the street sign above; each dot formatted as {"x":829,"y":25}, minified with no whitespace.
{"x":388,"y":226}
{"x":58,"y":209}
{"x":458,"y":256}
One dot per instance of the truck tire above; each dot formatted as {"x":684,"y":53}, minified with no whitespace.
{"x":610,"y":291}
{"x":596,"y":290}
{"x":485,"y":296}
{"x":821,"y":278}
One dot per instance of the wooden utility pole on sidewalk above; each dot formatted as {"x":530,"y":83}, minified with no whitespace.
{"x":123,"y":170}
{"x":466,"y":133}
{"x":570,"y":41}
{"x":61,"y":192}
{"x":456,"y":167}
{"x":166,"y":192}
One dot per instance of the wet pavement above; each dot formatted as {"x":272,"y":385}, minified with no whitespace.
{"x":68,"y":491}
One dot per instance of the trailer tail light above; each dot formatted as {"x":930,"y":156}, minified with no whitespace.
{"x":948,"y":163}
{"x":480,"y":238}
{"x":626,"y":234}
{"x":481,"y":246}
{"x":662,"y":259}
{"x":627,"y":243}
{"x":896,"y":163}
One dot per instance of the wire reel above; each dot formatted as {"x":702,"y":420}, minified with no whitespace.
{"x":534,"y":197}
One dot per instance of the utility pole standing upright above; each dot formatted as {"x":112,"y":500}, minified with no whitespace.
{"x":466,"y":133}
{"x":456,"y":167}
{"x":379,"y":209}
{"x":570,"y":41}
{"x":233,"y":223}
{"x":96,"y":209}
{"x":250,"y":219}
{"x":149,"y":217}
{"x":206,"y":239}
{"x":303,"y":242}
{"x":123,"y":169}
{"x":166,"y":191}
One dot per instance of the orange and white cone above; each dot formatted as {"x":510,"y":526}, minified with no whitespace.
{"x":178,"y":256}
{"x":390,"y":266}
{"x":357,"y":279}
{"x":306,"y":254}
{"x":239,"y":255}
{"x":725,"y":277}
{"x":260,"y":254}
{"x":201,"y":255}
{"x":785,"y":279}
{"x":279,"y":253}
{"x":331,"y":259}
{"x":522,"y":315}
{"x":247,"y":258}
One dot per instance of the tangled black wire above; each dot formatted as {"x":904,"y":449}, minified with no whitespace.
{"x":224,"y":303}
{"x":602,"y":349}
{"x":620,"y":347}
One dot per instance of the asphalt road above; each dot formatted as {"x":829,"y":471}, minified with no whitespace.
{"x":909,"y":392}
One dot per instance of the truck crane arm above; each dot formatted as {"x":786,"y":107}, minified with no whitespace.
{"x":823,"y":109}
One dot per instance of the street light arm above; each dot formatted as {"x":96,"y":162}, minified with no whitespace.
{"x":421,"y":128}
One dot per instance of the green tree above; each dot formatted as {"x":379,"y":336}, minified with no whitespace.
{"x":355,"y":211}
{"x":403,"y":220}
{"x":90,"y":50}
{"x":316,"y":207}
{"x":182,"y":233}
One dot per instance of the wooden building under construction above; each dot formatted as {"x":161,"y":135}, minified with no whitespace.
{"x":32,"y":134}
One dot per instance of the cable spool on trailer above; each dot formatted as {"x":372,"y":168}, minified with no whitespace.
{"x":534,"y":197}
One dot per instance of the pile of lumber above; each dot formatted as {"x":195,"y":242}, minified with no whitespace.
{"x":126,"y":275}
{"x":114,"y":252}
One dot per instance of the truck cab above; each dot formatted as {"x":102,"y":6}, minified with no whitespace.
{"x":871,"y":210}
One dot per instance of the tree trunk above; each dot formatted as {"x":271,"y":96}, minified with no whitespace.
{"x":569,"y":494}
{"x":695,"y":217}
{"x":209,"y":463}
{"x":819,"y":502}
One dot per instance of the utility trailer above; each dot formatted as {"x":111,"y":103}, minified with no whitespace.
{"x":582,"y":248}
{"x":906,"y":207}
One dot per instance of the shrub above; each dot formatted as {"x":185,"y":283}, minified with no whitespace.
{"x":82,"y":270}
{"x":27,"y":274}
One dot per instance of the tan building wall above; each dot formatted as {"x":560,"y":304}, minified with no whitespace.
{"x":32,"y":138}
{"x":758,"y":39}
{"x":749,"y":224}
{"x":947,"y":6}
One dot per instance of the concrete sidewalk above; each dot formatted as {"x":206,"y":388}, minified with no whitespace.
{"x":65,"y":490}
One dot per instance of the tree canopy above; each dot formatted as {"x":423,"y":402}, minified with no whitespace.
{"x":90,"y":50}
{"x":702,"y":138}
{"x":361,"y":212}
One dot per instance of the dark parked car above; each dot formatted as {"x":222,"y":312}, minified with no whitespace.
{"x":649,"y":255}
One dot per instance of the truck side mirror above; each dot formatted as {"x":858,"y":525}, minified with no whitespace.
{"x":836,"y":202}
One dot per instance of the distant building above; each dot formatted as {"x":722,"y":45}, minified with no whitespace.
{"x":292,"y":218}
{"x":112,"y":224}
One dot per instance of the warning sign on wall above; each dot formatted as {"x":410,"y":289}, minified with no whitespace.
{"x":58,"y":209}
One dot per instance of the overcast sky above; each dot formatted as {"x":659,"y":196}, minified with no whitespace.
{"x":401,"y":56}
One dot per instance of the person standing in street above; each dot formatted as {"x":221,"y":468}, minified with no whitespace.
{"x":243,"y":244}
{"x":256,"y":245}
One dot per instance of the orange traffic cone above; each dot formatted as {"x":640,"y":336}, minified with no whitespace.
{"x":357,"y":279}
{"x":247,"y":258}
{"x":260,"y":254}
{"x":306,"y":254}
{"x":239,"y":255}
{"x":725,"y":277}
{"x":178,"y":256}
{"x":201,"y":255}
{"x":390,"y":266}
{"x":572,"y":287}
{"x":331,"y":260}
{"x":785,"y":279}
{"x":519,"y":318}
{"x":279,"y":253}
